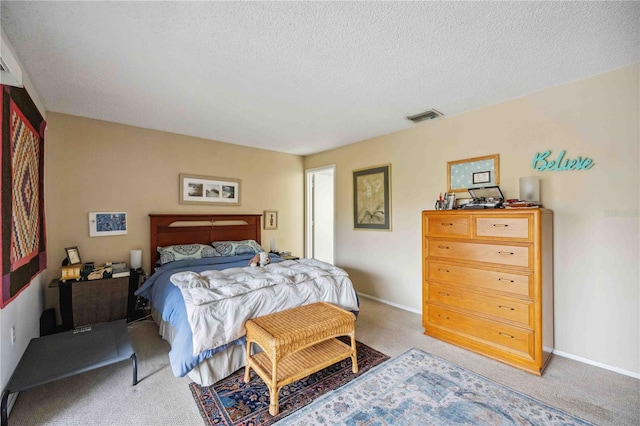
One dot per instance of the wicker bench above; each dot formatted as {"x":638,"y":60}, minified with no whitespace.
{"x":296,"y":343}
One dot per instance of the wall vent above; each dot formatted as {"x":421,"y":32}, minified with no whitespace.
{"x":427,"y":115}
{"x":7,"y":76}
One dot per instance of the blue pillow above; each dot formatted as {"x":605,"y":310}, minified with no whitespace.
{"x":185,"y":251}
{"x":237,"y":248}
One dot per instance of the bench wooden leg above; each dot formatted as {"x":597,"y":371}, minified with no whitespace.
{"x":274,"y":391}
{"x":354,"y":357}
{"x":274,"y":407}
{"x":247,"y":368}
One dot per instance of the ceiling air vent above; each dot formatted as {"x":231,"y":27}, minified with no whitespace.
{"x":427,"y":115}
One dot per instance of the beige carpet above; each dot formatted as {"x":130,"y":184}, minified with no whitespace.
{"x":106,"y":397}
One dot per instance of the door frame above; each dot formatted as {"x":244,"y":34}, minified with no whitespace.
{"x":309,"y":219}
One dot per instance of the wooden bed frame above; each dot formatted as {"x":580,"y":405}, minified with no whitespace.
{"x":172,"y":229}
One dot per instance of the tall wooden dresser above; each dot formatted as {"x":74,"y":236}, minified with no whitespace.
{"x":488,"y":282}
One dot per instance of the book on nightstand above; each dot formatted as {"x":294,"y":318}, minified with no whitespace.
{"x":119,"y":269}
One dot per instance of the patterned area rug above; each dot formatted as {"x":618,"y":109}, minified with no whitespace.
{"x":417,"y":388}
{"x":233,"y":402}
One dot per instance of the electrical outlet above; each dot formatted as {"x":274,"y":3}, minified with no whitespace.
{"x":13,"y":334}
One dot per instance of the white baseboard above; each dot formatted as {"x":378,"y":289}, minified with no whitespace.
{"x":596,"y":364}
{"x":555,"y":352}
{"x":386,"y":302}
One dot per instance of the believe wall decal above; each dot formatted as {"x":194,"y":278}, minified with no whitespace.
{"x":541,"y":163}
{"x":22,"y":236}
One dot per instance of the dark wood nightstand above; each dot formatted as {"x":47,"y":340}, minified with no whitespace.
{"x":96,"y":301}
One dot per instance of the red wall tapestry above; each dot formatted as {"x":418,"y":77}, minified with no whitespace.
{"x":22,"y":236}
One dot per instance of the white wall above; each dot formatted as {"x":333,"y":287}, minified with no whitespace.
{"x":24,"y":311}
{"x":596,"y":211}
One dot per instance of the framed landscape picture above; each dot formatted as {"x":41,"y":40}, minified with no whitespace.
{"x":197,"y":189}
{"x":372,"y":198}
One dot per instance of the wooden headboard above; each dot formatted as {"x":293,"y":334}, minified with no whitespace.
{"x":172,"y":229}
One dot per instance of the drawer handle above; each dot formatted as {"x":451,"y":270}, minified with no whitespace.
{"x":443,"y":316}
{"x":443,"y":270}
{"x":500,"y":225}
{"x":443,"y":247}
{"x":446,"y":224}
{"x":506,"y":307}
{"x":506,"y":335}
{"x":506,"y":279}
{"x":506,"y":252}
{"x":443,"y":293}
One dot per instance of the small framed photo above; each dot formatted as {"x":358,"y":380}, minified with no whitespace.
{"x":217,"y":191}
{"x":481,"y":177}
{"x":104,"y":224}
{"x":270,"y":219}
{"x":73,"y":255}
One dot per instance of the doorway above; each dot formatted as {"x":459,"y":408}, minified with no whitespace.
{"x":320,"y":213}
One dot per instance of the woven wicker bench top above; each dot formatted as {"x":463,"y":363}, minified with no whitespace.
{"x":285,"y":332}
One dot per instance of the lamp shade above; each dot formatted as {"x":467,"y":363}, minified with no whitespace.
{"x":136,"y":259}
{"x":530,"y":189}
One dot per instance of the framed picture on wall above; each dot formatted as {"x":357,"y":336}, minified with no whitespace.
{"x":474,"y":172}
{"x":104,"y":224}
{"x":217,"y":191}
{"x":372,"y":198}
{"x":270,"y":219}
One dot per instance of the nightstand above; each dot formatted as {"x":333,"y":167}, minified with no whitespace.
{"x":96,"y":301}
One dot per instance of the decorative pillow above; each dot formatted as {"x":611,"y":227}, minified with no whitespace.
{"x":185,"y":251}
{"x":237,"y":248}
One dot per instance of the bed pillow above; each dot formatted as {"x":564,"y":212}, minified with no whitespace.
{"x":185,"y":251}
{"x":237,"y":248}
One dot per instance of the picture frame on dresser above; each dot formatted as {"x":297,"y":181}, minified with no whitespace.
{"x":73,"y":255}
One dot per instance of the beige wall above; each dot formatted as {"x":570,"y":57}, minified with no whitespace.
{"x":93,"y":165}
{"x":597,"y":281}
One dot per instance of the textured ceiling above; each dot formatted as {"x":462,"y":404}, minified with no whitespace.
{"x":304,"y":77}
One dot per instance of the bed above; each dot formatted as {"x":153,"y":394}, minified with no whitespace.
{"x":201,"y":299}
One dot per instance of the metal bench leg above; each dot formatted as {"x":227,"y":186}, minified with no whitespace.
{"x":3,"y":415}
{"x":135,"y":369}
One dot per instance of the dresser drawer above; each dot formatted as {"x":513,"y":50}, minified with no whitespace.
{"x":517,"y":284}
{"x":497,"y":227}
{"x":490,"y":253}
{"x":492,"y":332}
{"x":501,"y":308}
{"x":447,"y":226}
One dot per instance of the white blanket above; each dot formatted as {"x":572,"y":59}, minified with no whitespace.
{"x":219,"y":302}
